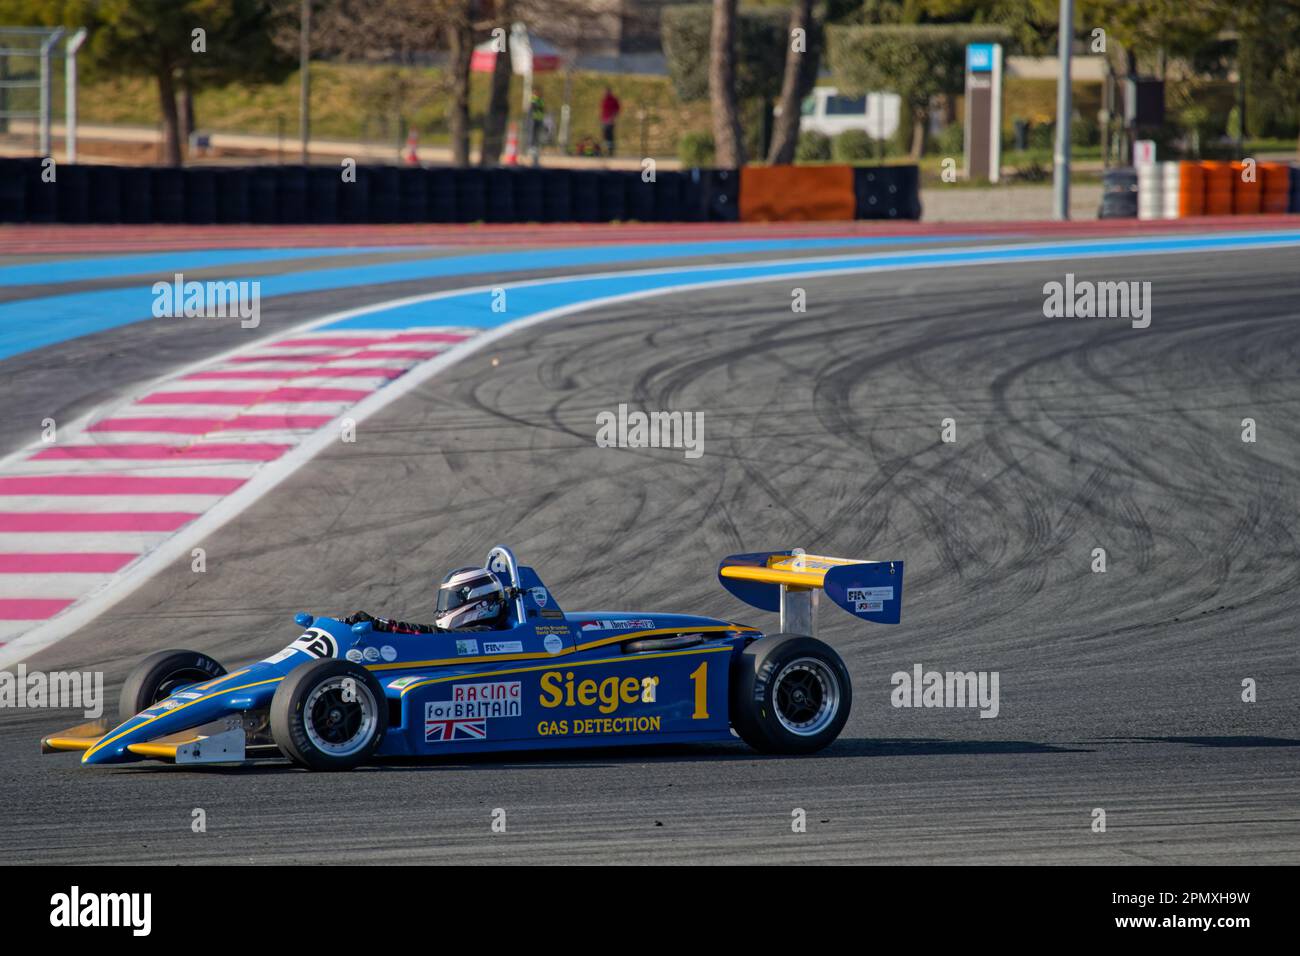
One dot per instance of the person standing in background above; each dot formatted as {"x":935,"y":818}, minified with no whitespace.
{"x":609,"y":109}
{"x":536,"y":127}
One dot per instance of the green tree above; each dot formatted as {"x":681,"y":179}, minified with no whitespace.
{"x":1259,"y":38}
{"x":730,"y":142}
{"x":802,"y":61}
{"x":1155,"y":30}
{"x":1269,"y":59}
{"x":760,"y":50}
{"x":400,"y":31}
{"x":917,"y":62}
{"x":1030,"y":23}
{"x":460,"y":46}
{"x":758,"y":62}
{"x":180,"y":44}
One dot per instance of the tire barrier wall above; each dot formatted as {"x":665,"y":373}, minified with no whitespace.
{"x":1178,"y":190}
{"x":384,"y":194}
{"x":786,"y":193}
{"x":1119,"y":194}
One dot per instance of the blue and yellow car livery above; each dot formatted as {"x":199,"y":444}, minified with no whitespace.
{"x":339,"y":695}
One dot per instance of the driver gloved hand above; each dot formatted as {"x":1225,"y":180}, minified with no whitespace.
{"x":357,"y":617}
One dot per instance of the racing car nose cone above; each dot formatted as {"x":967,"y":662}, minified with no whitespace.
{"x":112,"y":753}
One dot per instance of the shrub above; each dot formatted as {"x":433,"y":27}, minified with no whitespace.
{"x":1084,"y":132}
{"x":951,"y":140}
{"x":696,"y":149}
{"x":813,"y":147}
{"x":1031,"y":172}
{"x":852,"y":146}
{"x":1042,"y":136}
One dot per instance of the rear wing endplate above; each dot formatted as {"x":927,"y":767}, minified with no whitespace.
{"x":788,"y":582}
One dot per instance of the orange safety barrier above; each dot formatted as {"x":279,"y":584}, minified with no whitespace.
{"x":1191,"y":189}
{"x":1218,"y":188}
{"x":1276,"y":180}
{"x":796,"y":193}
{"x":1246,"y":193}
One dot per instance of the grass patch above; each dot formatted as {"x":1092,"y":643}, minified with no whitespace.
{"x":377,"y":104}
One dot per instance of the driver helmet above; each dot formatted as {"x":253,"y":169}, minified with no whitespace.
{"x":468,"y":596}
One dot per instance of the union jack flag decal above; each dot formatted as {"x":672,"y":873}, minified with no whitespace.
{"x":438,"y":730}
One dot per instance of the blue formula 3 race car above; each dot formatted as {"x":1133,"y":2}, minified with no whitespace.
{"x":343,"y":695}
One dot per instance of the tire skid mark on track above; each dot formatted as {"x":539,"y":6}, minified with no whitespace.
{"x":1105,"y":695}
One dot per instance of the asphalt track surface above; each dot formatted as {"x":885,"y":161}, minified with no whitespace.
{"x":1119,"y":691}
{"x":68,"y":378}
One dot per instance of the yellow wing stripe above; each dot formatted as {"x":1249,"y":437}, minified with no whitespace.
{"x":167,"y":713}
{"x":807,"y":579}
{"x":543,"y":667}
{"x":796,"y":570}
{"x":164,"y":751}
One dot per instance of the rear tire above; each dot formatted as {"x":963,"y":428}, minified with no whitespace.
{"x":315,"y":724}
{"x":789,"y":694}
{"x":160,"y":675}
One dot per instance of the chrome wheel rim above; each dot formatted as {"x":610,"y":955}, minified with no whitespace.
{"x":336,"y":725}
{"x":806,"y":696}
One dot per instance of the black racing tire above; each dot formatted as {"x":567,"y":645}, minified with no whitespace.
{"x":160,"y":675}
{"x":315,"y":726}
{"x":789,"y":694}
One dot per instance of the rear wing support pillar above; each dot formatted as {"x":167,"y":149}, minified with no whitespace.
{"x":798,"y":611}
{"x":798,"y":607}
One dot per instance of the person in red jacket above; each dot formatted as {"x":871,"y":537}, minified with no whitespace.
{"x":609,"y":108}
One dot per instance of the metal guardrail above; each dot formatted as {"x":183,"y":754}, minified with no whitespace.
{"x":41,"y":43}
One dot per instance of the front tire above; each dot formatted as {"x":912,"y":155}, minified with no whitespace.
{"x":329,"y":715}
{"x":789,"y":694}
{"x":162,"y":674}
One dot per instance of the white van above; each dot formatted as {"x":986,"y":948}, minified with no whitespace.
{"x":826,"y":111}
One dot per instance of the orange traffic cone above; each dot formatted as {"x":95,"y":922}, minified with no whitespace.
{"x":412,"y":140}
{"x":512,"y":146}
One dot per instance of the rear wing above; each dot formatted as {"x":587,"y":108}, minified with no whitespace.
{"x":788,"y":582}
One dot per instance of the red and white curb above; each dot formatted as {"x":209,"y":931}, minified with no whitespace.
{"x":77,"y":513}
